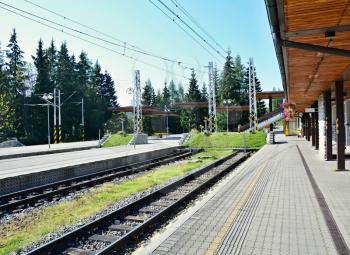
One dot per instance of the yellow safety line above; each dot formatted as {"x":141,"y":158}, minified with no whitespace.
{"x":214,"y":246}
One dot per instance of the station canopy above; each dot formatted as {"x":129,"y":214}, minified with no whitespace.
{"x":312,"y":43}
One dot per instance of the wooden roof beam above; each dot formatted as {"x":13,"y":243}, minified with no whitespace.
{"x":324,"y":30}
{"x":315,"y":48}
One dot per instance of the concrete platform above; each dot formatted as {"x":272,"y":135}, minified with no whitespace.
{"x":28,"y":151}
{"x":22,"y":173}
{"x":267,"y":206}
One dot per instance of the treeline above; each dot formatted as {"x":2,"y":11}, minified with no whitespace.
{"x":23,"y":113}
{"x":22,"y":86}
{"x":232,"y":83}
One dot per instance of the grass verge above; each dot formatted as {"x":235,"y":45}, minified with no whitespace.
{"x":117,"y":140}
{"x":31,"y":227}
{"x":230,"y":140}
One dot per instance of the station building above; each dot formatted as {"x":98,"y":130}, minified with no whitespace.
{"x":312,"y":43}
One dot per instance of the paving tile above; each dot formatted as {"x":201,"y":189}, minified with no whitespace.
{"x":280,"y":216}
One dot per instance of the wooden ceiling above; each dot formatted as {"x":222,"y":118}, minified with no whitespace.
{"x":311,"y":73}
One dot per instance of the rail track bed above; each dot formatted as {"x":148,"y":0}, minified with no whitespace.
{"x":118,"y":229}
{"x":36,"y":196}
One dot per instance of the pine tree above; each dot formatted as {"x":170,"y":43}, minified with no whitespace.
{"x":95,"y":108}
{"x":228,"y":88}
{"x":261,"y":107}
{"x":204,"y":93}
{"x":217,"y":86}
{"x":2,"y":59}
{"x":42,"y":85}
{"x":16,"y":81}
{"x":239,"y":80}
{"x":7,"y":112}
{"x":51,"y":54}
{"x":165,"y":97}
{"x":148,"y":100}
{"x":108,"y":91}
{"x":83,"y":71}
{"x":158,"y":99}
{"x":181,"y":92}
{"x":148,"y":94}
{"x":174,"y":95}
{"x":193,"y":94}
{"x":260,"y":103}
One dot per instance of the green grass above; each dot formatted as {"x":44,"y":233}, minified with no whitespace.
{"x":32,"y":227}
{"x":230,"y":140}
{"x":117,"y":140}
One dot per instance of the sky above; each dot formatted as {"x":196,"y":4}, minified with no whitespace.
{"x":240,"y":25}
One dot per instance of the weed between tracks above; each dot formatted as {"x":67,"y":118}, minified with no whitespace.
{"x":32,"y":227}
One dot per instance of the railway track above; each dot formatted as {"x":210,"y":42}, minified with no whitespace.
{"x":115,"y":231}
{"x":17,"y":201}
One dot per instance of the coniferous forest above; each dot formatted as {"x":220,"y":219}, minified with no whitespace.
{"x":23,"y":113}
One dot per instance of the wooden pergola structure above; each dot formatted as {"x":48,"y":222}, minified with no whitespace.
{"x":146,"y":111}
{"x":202,"y":105}
{"x":269,"y":95}
{"x":312,"y":43}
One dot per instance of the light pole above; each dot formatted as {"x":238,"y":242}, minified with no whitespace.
{"x":82,"y":124}
{"x":48,"y":97}
{"x":167,"y":120}
{"x":227,"y":102}
{"x":205,"y":131}
{"x":122,"y":120}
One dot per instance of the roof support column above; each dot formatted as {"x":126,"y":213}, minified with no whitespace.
{"x":339,"y":125}
{"x":303,"y":124}
{"x":313,"y":129}
{"x":270,"y":110}
{"x":308,"y":127}
{"x":315,"y":120}
{"x":328,"y":125}
{"x":316,"y":131}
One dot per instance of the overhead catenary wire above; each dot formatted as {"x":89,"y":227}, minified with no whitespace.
{"x":191,"y":28}
{"x":81,"y":24}
{"x":179,"y":62}
{"x":90,"y":42}
{"x":198,"y":42}
{"x":188,"y":15}
{"x":123,"y":46}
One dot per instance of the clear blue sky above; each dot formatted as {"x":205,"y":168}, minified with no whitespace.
{"x":241,"y":25}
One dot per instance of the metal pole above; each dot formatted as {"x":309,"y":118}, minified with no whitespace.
{"x":82,"y":118}
{"x":167,"y":125}
{"x":244,"y":142}
{"x":59,"y":117}
{"x":123,"y":126}
{"x":227,"y":118}
{"x":99,"y":137}
{"x":54,"y":117}
{"x":48,"y":125}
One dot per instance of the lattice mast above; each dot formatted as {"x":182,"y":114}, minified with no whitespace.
{"x":137,"y":107}
{"x":253,"y":113}
{"x":211,"y":99}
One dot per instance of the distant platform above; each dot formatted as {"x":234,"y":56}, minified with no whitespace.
{"x":34,"y":150}
{"x":21,"y":173}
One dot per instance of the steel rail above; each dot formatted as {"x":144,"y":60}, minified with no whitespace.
{"x":64,"y":242}
{"x":49,"y":191}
